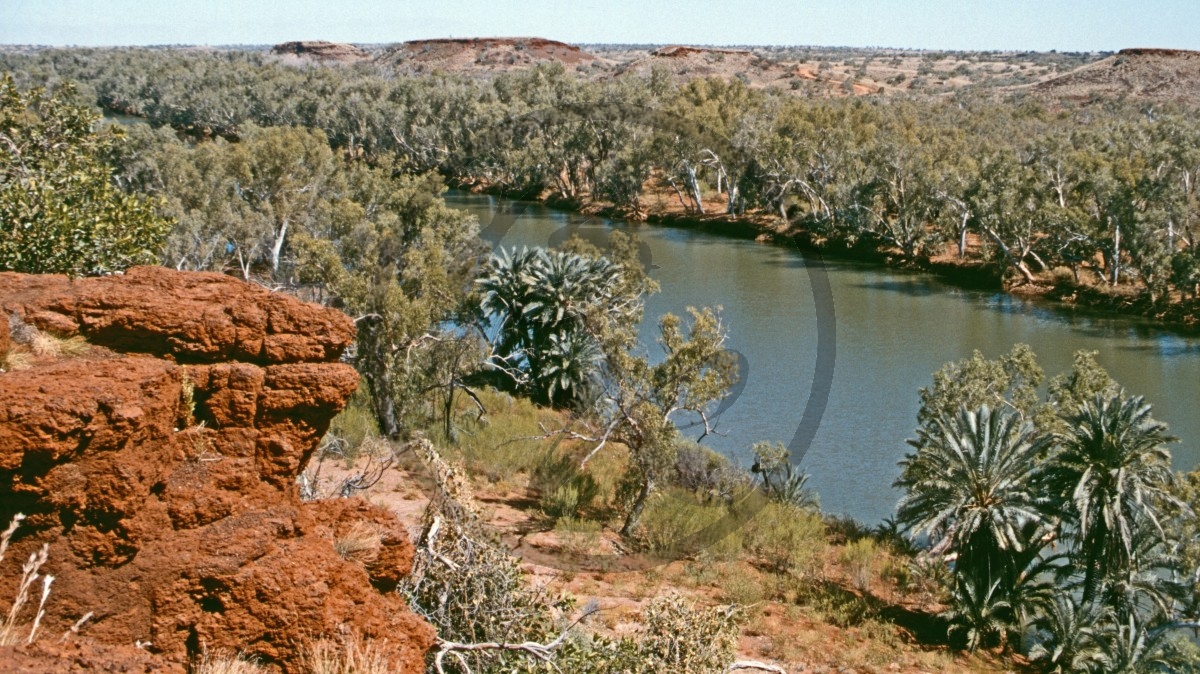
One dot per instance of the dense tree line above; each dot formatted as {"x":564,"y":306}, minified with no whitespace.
{"x":1106,"y":194}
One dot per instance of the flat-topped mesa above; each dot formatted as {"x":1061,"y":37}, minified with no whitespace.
{"x":479,"y":54}
{"x":1155,"y":51}
{"x":321,"y":50}
{"x":160,"y":463}
{"x":674,"y":51}
{"x":477,"y":42}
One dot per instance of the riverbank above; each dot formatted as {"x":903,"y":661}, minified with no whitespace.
{"x":973,"y":272}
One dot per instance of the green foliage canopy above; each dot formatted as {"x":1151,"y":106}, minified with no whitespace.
{"x":60,"y":211}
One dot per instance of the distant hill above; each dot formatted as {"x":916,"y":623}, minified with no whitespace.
{"x":1156,"y":75}
{"x":1152,"y":74}
{"x":756,"y":69}
{"x":482,"y":55}
{"x":318,"y":50}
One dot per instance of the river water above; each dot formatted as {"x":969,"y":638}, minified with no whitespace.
{"x":894,"y":328}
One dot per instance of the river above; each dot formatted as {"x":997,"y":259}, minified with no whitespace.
{"x":894,"y":328}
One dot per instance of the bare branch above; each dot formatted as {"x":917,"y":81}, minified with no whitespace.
{"x":543,"y":652}
{"x":754,"y":664}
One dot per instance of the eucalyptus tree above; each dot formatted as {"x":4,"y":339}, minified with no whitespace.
{"x":899,"y":202}
{"x":643,"y":401}
{"x":717,"y":114}
{"x":826,"y":166}
{"x":238,"y":204}
{"x":1114,"y":186}
{"x":1009,"y":206}
{"x":624,"y":124}
{"x":402,"y":263}
{"x":952,"y":177}
{"x":1179,"y":140}
{"x":1008,"y":382}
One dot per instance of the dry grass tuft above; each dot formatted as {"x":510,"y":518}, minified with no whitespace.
{"x":48,"y":346}
{"x":346,"y":656}
{"x":9,"y":633}
{"x":224,"y":662}
{"x":361,"y":543}
{"x":17,"y":360}
{"x":30,"y":344}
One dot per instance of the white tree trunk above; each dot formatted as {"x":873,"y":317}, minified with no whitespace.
{"x":277,"y":249}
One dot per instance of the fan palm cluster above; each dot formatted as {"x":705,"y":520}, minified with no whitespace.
{"x":1063,"y":540}
{"x":546,"y":308}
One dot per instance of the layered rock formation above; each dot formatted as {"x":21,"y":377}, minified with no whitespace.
{"x":161,"y":464}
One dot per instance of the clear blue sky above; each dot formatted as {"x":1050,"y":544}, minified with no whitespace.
{"x":1066,"y":25}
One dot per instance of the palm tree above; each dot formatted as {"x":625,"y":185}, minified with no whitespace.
{"x":1135,"y":647}
{"x":1112,"y":470}
{"x":540,"y":303}
{"x":1071,"y":637}
{"x":976,"y":487}
{"x":979,"y":613}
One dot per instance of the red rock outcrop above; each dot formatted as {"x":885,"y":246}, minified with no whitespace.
{"x":161,"y":467}
{"x":320,"y":50}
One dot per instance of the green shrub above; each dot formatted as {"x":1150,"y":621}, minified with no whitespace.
{"x":859,"y":558}
{"x":845,"y":529}
{"x":60,"y":210}
{"x":673,"y":515}
{"x":781,"y":480}
{"x":741,"y":587}
{"x":680,"y":637}
{"x":563,"y":490}
{"x":578,"y":536}
{"x":837,"y":606}
{"x":929,"y":577}
{"x":465,"y":583}
{"x":707,"y":473}
{"x":1063,"y":276}
{"x":789,"y":539}
{"x":505,"y":442}
{"x":355,"y":424}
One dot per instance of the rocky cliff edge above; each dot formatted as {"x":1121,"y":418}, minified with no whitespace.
{"x":159,"y":461}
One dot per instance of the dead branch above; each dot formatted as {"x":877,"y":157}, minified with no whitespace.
{"x":543,"y":652}
{"x":754,"y":664}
